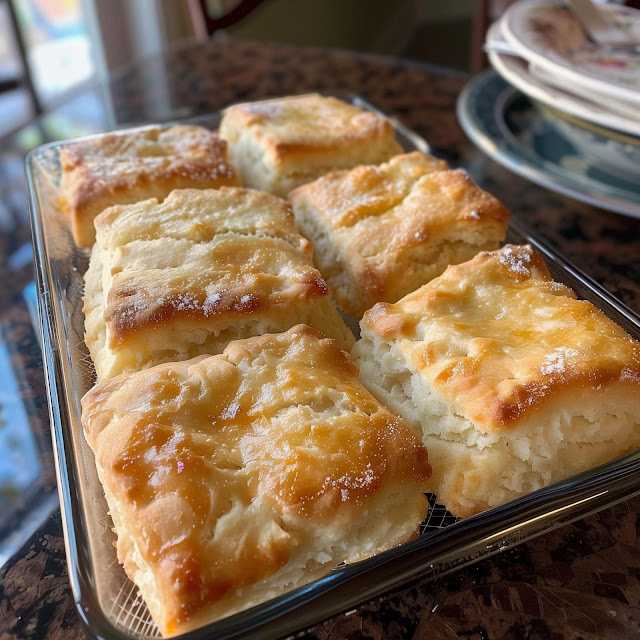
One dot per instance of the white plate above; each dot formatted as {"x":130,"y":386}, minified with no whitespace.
{"x":515,"y":70}
{"x":619,"y":107}
{"x":547,"y":34}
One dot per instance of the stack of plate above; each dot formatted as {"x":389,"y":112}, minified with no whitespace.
{"x":564,"y":111}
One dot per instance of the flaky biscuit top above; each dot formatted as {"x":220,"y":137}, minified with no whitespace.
{"x":497,"y":338}
{"x":286,"y":128}
{"x":116,"y":162}
{"x":387,"y":223}
{"x":200,"y":254}
{"x":383,"y":209}
{"x":248,"y":451}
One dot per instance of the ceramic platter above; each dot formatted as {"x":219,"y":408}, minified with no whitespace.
{"x":516,"y":71}
{"x":547,"y":34}
{"x":518,"y":134}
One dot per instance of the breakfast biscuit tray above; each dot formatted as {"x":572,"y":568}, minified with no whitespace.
{"x":110,"y":604}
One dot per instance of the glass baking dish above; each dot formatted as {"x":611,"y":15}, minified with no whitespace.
{"x":110,"y":604}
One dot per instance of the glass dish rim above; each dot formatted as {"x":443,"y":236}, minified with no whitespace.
{"x":434,"y":555}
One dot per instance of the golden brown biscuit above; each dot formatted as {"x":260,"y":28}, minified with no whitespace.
{"x":383,"y":231}
{"x":277,"y":145}
{"x":234,"y":478}
{"x":172,"y":280}
{"x":121,"y":168}
{"x":514,"y":382}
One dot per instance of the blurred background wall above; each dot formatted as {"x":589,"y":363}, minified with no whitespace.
{"x":433,"y":31}
{"x":50,"y":47}
{"x":429,"y":30}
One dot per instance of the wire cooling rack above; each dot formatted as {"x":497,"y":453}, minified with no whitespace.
{"x":131,"y":613}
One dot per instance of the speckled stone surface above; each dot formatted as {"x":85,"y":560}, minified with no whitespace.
{"x":581,"y":581}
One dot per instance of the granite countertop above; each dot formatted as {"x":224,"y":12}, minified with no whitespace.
{"x":581,"y":581}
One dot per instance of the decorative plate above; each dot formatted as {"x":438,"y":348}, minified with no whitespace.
{"x":619,"y":157}
{"x":509,"y":128}
{"x":547,"y":34}
{"x":516,"y":71}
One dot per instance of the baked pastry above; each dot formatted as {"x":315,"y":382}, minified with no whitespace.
{"x":276,"y":145}
{"x":234,"y":478}
{"x":121,"y":168}
{"x":383,"y":231}
{"x":515,"y":383}
{"x":172,"y":280}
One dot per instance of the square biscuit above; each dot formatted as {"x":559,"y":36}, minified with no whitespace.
{"x":514,"y":382}
{"x":122,"y":168}
{"x":172,"y":280}
{"x":277,"y":145}
{"x":382,"y":231}
{"x":234,"y":478}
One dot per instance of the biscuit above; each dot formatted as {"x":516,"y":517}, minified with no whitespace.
{"x":514,"y":382}
{"x":122,"y":168}
{"x":277,"y":145}
{"x":382,"y":231}
{"x":172,"y":280}
{"x":234,"y":478}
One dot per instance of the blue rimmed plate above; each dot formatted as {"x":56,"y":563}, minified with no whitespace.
{"x":512,"y":130}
